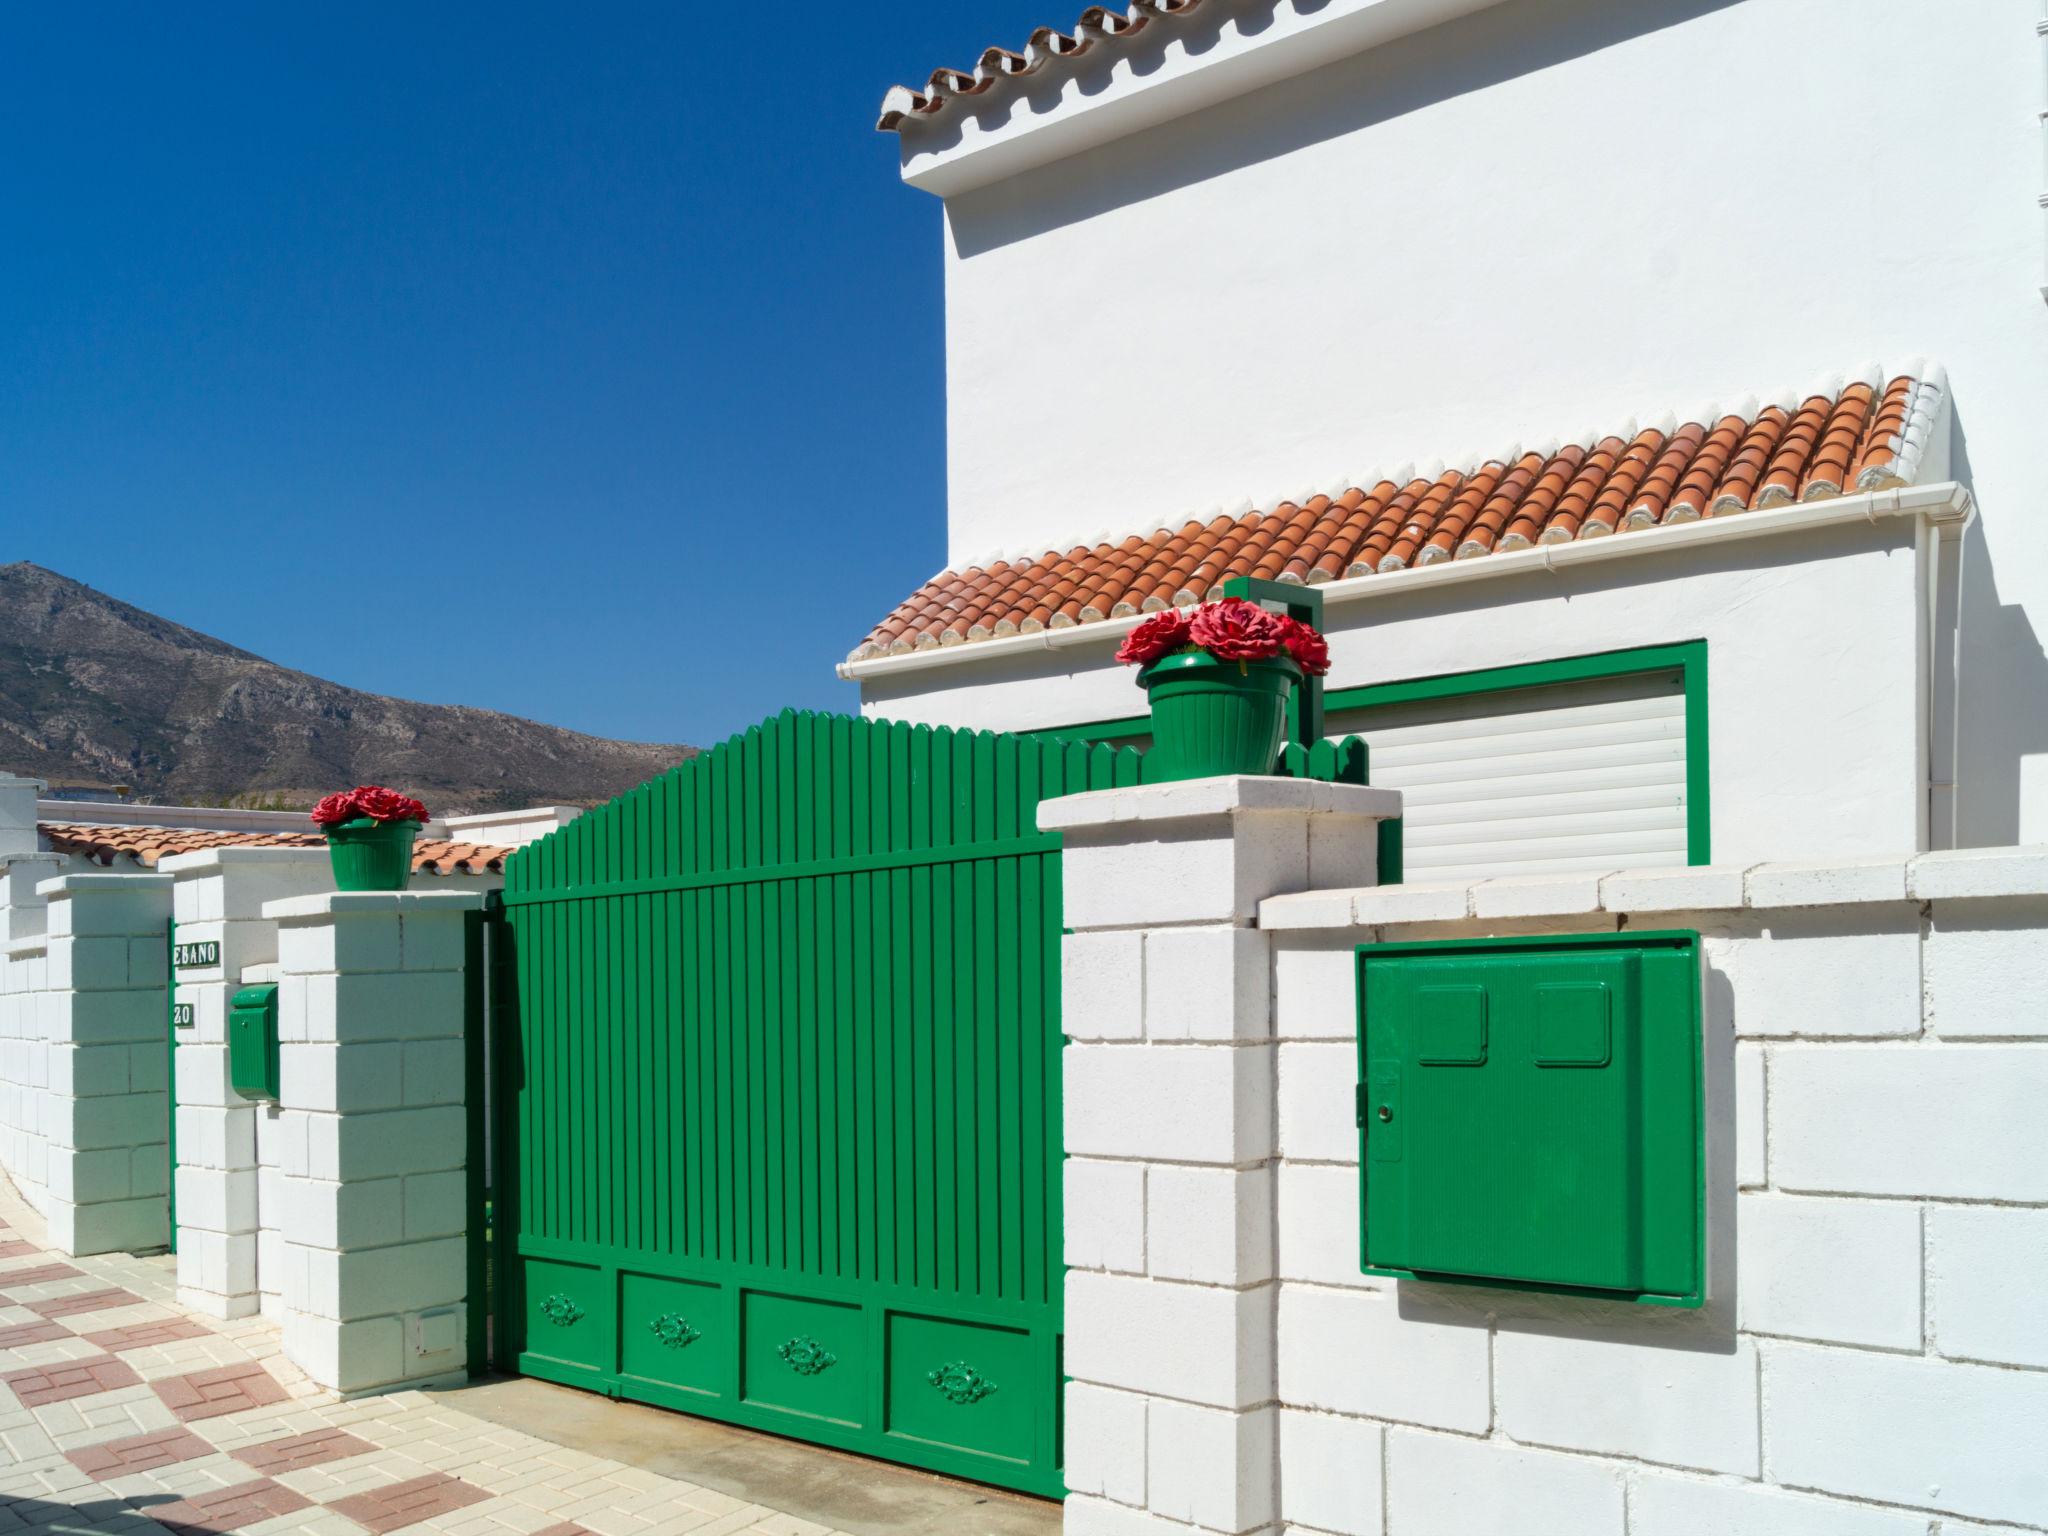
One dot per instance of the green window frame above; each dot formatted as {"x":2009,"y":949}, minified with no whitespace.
{"x":1688,"y":658}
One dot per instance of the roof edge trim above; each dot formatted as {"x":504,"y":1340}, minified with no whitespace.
{"x":1294,"y":40}
{"x":1943,"y":504}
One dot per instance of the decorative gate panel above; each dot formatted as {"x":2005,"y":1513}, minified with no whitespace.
{"x":778,"y":1063}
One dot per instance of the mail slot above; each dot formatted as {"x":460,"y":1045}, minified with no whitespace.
{"x":252,"y":1042}
{"x":1530,"y":1115}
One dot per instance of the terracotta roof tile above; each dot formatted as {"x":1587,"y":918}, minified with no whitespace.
{"x":1863,"y":435}
{"x":905,"y":106}
{"x":146,"y":845}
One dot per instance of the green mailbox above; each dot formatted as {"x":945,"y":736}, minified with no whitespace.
{"x":252,"y":1042}
{"x":1530,"y":1113}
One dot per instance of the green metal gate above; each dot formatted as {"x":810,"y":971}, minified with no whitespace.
{"x":777,"y":1092}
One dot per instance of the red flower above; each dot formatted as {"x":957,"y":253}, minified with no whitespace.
{"x":1311,"y":652}
{"x":371,"y":800}
{"x":381,"y":804}
{"x":1161,"y":635}
{"x":1235,"y":630}
{"x":335,"y":809}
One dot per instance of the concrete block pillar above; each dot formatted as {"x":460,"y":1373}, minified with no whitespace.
{"x":108,"y":1109}
{"x":1169,"y":1076}
{"x":25,"y":1020}
{"x":18,"y":814}
{"x":374,"y":1136}
{"x":219,"y":899}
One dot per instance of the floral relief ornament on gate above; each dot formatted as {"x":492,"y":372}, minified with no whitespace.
{"x":806,"y":1356}
{"x":961,"y":1383}
{"x":560,"y":1310}
{"x":674,"y":1330}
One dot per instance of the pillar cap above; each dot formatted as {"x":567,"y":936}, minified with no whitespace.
{"x":71,"y":885}
{"x":211,"y":860}
{"x":356,"y":903}
{"x":1193,"y":799}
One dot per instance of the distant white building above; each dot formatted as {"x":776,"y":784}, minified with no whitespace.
{"x":1653,"y":390}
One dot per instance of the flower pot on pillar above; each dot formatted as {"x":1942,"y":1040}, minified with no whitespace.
{"x":369,"y":832}
{"x":1211,"y":716}
{"x":1218,"y":680}
{"x":371,"y":855}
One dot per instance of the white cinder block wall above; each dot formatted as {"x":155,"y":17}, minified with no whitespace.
{"x":84,"y":1068}
{"x":1874,"y":1353}
{"x":107,"y":1108}
{"x":1873,"y":1358}
{"x":25,"y":1021}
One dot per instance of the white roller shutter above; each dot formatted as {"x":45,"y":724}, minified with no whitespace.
{"x":1570,"y":776}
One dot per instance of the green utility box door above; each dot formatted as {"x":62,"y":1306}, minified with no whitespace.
{"x":252,"y":1042}
{"x":1530,"y":1112}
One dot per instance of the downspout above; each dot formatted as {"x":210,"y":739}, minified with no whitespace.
{"x":1942,"y":561}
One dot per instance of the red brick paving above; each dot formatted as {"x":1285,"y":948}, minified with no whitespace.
{"x":73,"y":1378}
{"x":33,"y":1333}
{"x":227,"y":1509}
{"x":138,"y":1453}
{"x":296,"y":1451}
{"x":16,"y":1248}
{"x":42,"y":1274}
{"x":406,"y":1503}
{"x":85,"y":1301}
{"x":142,"y":1335}
{"x":208,"y":1394}
{"x":566,"y":1528}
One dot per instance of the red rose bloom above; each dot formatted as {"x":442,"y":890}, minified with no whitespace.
{"x":1161,"y":635}
{"x":1235,"y":630}
{"x":335,"y":809}
{"x":1311,"y":652}
{"x":381,"y":804}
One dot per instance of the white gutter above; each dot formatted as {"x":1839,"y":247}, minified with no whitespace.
{"x":1942,"y":504}
{"x":976,"y":140}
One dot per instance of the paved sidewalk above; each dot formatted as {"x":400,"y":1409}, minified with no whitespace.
{"x":121,"y":1414}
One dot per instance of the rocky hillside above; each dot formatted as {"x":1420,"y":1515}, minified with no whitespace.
{"x":94,"y":692}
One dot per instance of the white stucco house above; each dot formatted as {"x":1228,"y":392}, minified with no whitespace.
{"x":1654,"y":390}
{"x":1660,"y":427}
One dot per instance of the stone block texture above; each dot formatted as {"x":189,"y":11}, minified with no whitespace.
{"x":86,"y":1031}
{"x":1170,"y":1096}
{"x":1871,"y":1360}
{"x":230,"y":1202}
{"x":26,"y":1007}
{"x":369,"y":1137}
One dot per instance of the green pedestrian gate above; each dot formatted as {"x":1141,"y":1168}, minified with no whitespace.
{"x":777,"y":1093}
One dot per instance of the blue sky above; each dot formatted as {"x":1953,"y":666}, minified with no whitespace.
{"x":583,"y":362}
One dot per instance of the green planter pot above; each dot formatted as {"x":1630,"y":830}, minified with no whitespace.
{"x":371,"y":855}
{"x":1213,"y":717}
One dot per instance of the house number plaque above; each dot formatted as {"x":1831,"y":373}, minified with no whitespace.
{"x":182,"y":1016}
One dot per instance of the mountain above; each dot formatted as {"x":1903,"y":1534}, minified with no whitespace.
{"x":94,"y":692}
